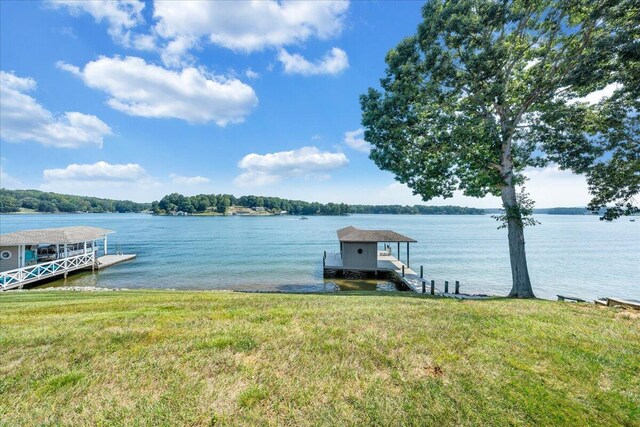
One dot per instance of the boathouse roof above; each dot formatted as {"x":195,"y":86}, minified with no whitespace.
{"x":60,"y":235}
{"x":353,"y":234}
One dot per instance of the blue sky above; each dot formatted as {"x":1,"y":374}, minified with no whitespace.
{"x":136,"y":99}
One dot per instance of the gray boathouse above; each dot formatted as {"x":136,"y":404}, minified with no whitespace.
{"x":367,"y":250}
{"x":371,"y":251}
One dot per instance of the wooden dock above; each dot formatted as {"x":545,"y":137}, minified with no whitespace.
{"x":386,"y":263}
{"x":412,"y":280}
{"x":109,"y":260}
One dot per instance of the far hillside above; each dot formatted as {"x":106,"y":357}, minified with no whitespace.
{"x":45,"y":202}
{"x":228,"y":204}
{"x":35,"y":201}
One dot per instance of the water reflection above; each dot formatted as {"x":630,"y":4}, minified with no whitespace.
{"x":365,"y":285}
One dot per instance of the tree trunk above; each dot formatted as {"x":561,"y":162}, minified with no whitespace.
{"x":519,"y":272}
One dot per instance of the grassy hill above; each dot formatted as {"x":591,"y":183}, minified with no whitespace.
{"x":204,"y":358}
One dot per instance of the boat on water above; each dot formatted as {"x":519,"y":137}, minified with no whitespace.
{"x":304,"y":217}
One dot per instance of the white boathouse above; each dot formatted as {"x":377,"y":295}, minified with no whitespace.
{"x":32,"y":255}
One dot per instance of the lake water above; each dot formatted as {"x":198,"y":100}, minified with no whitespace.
{"x":574,"y":255}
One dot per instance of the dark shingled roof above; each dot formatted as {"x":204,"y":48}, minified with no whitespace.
{"x":54,"y":236}
{"x":353,"y":234}
{"x":345,"y":231}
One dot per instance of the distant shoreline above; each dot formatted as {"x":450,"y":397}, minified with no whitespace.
{"x":216,"y":214}
{"x":21,"y":202}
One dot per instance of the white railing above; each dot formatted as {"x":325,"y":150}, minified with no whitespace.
{"x":20,"y":276}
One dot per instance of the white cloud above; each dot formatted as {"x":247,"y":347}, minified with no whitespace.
{"x":121,"y":16}
{"x":8,"y":181}
{"x":598,"y":95}
{"x":188,"y":180}
{"x":117,"y":13}
{"x":251,"y":74}
{"x":141,"y":42}
{"x":173,"y":54}
{"x":244,"y":26}
{"x":116,"y":181}
{"x":100,"y":171}
{"x":101,"y":179}
{"x":552,"y":187}
{"x":22,"y":118}
{"x":66,"y":31}
{"x":333,"y":62}
{"x":355,"y":140}
{"x":263,"y":169}
{"x":146,"y":90}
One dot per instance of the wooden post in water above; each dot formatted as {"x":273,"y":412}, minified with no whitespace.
{"x":324,"y":259}
{"x":403,"y":270}
{"x":433,"y":287}
{"x":446,"y":286}
{"x":398,"y":251}
{"x":424,"y":287}
{"x":457,"y":287}
{"x":408,"y":265}
{"x":421,"y":272}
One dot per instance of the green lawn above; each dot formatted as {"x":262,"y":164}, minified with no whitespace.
{"x":207,"y":358}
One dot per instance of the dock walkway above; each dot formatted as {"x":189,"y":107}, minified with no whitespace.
{"x":109,"y":260}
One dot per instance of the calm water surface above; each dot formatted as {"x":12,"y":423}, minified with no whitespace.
{"x":574,"y":255}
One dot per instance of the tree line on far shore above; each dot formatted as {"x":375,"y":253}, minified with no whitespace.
{"x":219,"y":203}
{"x":46,"y":202}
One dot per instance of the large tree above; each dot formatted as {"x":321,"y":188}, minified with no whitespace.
{"x":487,"y":88}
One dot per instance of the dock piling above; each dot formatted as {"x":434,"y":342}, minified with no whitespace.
{"x":403,"y":270}
{"x":421,"y":272}
{"x":433,"y":287}
{"x":446,"y":286}
{"x":424,"y":287}
{"x":457,"y":291}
